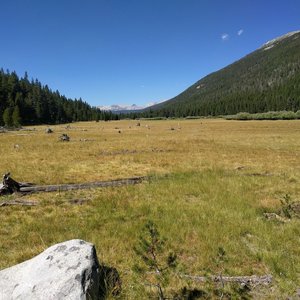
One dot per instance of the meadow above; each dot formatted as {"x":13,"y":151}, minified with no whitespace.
{"x":210,"y":183}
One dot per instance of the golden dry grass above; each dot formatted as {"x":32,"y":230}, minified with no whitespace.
{"x":97,"y":151}
{"x":221,"y":177}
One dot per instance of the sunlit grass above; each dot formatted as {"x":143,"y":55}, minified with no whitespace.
{"x":211,"y":181}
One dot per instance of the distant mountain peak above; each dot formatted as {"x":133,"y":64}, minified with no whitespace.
{"x":119,"y":107}
{"x":123,"y":108}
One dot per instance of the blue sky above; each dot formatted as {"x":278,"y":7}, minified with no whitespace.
{"x":134,"y":51}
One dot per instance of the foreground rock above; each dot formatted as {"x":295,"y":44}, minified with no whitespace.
{"x":69,"y":270}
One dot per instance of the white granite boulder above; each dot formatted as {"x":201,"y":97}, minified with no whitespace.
{"x":69,"y":270}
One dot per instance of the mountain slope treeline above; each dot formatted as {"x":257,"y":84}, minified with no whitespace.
{"x":268,"y":79}
{"x":25,"y":102}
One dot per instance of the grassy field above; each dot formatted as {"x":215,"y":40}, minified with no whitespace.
{"x":211,"y":181}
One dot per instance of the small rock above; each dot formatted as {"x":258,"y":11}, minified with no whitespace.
{"x":64,"y":138}
{"x":49,"y":130}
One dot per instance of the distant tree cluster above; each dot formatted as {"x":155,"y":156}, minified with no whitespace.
{"x":28,"y":102}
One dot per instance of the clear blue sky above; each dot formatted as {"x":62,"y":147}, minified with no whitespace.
{"x":134,"y":51}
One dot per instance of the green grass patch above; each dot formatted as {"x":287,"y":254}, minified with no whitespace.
{"x":197,"y":212}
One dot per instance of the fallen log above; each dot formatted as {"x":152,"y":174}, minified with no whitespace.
{"x":11,"y":186}
{"x":18,"y":202}
{"x":250,"y":280}
{"x":80,"y":186}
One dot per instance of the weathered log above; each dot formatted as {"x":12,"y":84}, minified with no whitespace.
{"x":11,"y":186}
{"x":81,"y":186}
{"x":4,"y":191}
{"x":250,"y":280}
{"x":18,"y":202}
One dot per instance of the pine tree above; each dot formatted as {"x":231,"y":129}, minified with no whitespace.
{"x":7,"y":117}
{"x":16,"y":118}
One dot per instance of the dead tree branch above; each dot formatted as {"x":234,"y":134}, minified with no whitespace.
{"x":251,"y":280}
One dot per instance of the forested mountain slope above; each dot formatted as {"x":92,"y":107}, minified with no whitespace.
{"x":267,"y":79}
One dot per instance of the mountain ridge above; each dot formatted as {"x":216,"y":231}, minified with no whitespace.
{"x":280,"y":38}
{"x":265,"y":79}
{"x":118,"y":108}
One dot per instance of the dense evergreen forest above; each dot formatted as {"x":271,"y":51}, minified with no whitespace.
{"x":28,"y":102}
{"x":268,"y":79}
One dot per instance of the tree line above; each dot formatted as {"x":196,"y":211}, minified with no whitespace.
{"x":28,"y":102}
